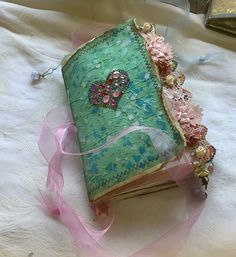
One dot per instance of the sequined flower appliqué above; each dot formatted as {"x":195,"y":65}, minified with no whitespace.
{"x":108,"y":93}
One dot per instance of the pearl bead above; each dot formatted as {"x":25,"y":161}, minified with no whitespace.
{"x":196,"y":163}
{"x":146,"y":27}
{"x":200,"y":151}
{"x":170,"y":80}
{"x":35,"y":75}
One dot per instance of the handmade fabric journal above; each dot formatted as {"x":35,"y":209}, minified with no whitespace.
{"x":126,"y":95}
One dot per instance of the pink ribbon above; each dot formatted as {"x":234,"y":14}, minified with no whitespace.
{"x":57,"y":135}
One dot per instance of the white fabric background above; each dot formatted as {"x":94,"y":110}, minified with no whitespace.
{"x":36,"y":35}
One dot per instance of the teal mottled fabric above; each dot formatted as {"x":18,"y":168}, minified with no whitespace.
{"x":121,"y":48}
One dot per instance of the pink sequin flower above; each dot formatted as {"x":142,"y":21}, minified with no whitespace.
{"x":160,"y":52}
{"x":188,"y":115}
{"x":185,"y":112}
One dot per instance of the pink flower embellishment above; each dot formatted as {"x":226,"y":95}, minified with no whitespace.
{"x":187,"y":113}
{"x":189,"y":116}
{"x":160,"y":52}
{"x":193,"y":134}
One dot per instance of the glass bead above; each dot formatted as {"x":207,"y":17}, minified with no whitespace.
{"x":116,"y":74}
{"x":109,"y":81}
{"x":35,"y":75}
{"x":116,"y":93}
{"x":106,"y":99}
{"x":94,"y":88}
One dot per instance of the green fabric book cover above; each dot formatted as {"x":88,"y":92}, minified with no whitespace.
{"x":111,"y":85}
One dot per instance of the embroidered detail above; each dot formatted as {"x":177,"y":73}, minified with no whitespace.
{"x":108,"y":93}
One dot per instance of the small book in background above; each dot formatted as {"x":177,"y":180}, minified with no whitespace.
{"x":222,"y":16}
{"x":199,"y":6}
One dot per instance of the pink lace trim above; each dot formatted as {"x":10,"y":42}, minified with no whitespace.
{"x":179,"y":101}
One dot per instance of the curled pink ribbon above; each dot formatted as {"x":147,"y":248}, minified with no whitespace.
{"x":57,"y":135}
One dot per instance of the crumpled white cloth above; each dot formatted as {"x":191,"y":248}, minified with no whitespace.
{"x":36,"y":35}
